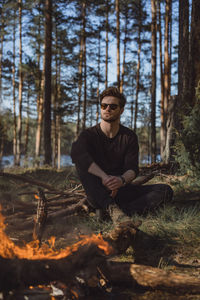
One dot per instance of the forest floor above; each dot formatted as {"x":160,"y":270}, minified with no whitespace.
{"x":173,"y":230}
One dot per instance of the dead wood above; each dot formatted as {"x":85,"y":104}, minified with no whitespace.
{"x":28,"y":222}
{"x":149,"y":277}
{"x":41,"y":217}
{"x":122,"y":236}
{"x":33,"y":182}
{"x":16,"y":273}
{"x":62,"y":202}
{"x":67,"y":211}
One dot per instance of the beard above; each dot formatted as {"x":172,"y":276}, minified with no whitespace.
{"x":109,"y":119}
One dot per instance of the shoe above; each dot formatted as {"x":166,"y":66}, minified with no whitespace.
{"x":117,"y":215}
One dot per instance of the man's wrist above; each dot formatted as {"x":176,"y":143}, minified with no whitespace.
{"x":123,"y":180}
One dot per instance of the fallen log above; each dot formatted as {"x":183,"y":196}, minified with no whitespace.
{"x":149,"y":277}
{"x":67,"y":211}
{"x":14,"y":274}
{"x":33,"y":182}
{"x":28,"y":222}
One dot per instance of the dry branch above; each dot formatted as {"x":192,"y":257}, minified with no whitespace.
{"x":33,"y":182}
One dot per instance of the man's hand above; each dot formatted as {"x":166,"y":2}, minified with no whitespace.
{"x":112,"y":182}
{"x":113,"y":193}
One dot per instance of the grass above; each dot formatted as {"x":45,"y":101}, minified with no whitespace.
{"x":175,"y":227}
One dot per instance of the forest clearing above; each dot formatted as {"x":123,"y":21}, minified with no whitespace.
{"x":170,"y":241}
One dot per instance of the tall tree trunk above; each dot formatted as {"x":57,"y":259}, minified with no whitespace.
{"x":80,"y":75}
{"x":85,"y":68}
{"x":107,"y":29}
{"x":170,"y":46}
{"x":166,"y":70}
{"x":162,"y":112}
{"x":1,"y":49}
{"x":183,"y":50}
{"x":138,"y":67}
{"x":27,"y":123}
{"x":58,"y":117}
{"x":118,"y":42}
{"x":195,"y":50}
{"x":58,"y":122}
{"x":13,"y":92}
{"x":55,"y":103}
{"x":153,"y":88}
{"x":124,"y":52}
{"x":98,"y":77}
{"x":40,"y":100}
{"x":40,"y":110}
{"x":47,"y":83}
{"x":19,"y":121}
{"x":183,"y":62}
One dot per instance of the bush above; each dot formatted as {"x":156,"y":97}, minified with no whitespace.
{"x":187,"y":147}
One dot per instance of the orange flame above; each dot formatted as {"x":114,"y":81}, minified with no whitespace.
{"x":33,"y":250}
{"x":36,"y":197}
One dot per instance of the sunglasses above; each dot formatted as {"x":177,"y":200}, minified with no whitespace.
{"x":112,"y":106}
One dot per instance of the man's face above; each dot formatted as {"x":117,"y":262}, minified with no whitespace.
{"x":110,"y":113}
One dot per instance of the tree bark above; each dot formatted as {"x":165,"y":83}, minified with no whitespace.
{"x":162,"y":112}
{"x":13,"y":91}
{"x":166,"y":65}
{"x":2,"y":27}
{"x":195,"y":50}
{"x":118,"y":41}
{"x":138,"y":66}
{"x":27,"y":123}
{"x":85,"y":67}
{"x":183,"y":53}
{"x":19,"y":121}
{"x":40,"y":99}
{"x":124,"y":52}
{"x":47,"y":83}
{"x":106,"y":59}
{"x":80,"y":77}
{"x":153,"y":87}
{"x":98,"y":76}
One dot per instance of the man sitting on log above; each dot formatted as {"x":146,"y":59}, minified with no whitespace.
{"x":106,"y":158}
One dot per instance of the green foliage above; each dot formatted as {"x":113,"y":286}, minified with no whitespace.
{"x":187,"y":147}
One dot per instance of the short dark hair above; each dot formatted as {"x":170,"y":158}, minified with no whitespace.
{"x":113,"y":91}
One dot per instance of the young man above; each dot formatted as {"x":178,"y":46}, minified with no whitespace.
{"x":106,"y":158}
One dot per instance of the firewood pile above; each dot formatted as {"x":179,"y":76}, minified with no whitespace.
{"x":48,"y":204}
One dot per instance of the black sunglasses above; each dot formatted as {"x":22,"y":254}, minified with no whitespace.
{"x":112,"y":106}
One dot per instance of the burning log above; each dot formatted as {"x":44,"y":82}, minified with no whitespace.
{"x":18,"y":273}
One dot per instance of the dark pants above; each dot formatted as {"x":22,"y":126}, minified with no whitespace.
{"x":130,"y":198}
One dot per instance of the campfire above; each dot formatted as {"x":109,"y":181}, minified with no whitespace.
{"x":46,"y":254}
{"x":33,"y":251}
{"x":75,"y":271}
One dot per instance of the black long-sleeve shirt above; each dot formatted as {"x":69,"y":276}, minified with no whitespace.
{"x":113,"y":155}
